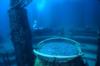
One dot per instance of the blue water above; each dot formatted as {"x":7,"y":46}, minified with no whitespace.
{"x":56,"y":13}
{"x":61,"y":17}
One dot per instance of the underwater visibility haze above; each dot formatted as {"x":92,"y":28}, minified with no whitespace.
{"x":49,"y":32}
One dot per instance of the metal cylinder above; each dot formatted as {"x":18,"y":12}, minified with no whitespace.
{"x":58,"y":51}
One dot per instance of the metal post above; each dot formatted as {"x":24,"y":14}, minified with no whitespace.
{"x":20,"y":33}
{"x":98,"y":52}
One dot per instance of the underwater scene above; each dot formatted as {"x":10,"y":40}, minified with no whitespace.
{"x":49,"y":32}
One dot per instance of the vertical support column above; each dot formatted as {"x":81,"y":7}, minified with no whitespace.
{"x":98,"y":52}
{"x":21,"y":36}
{"x":97,"y":21}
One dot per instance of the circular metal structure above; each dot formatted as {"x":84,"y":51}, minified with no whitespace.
{"x":58,"y":49}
